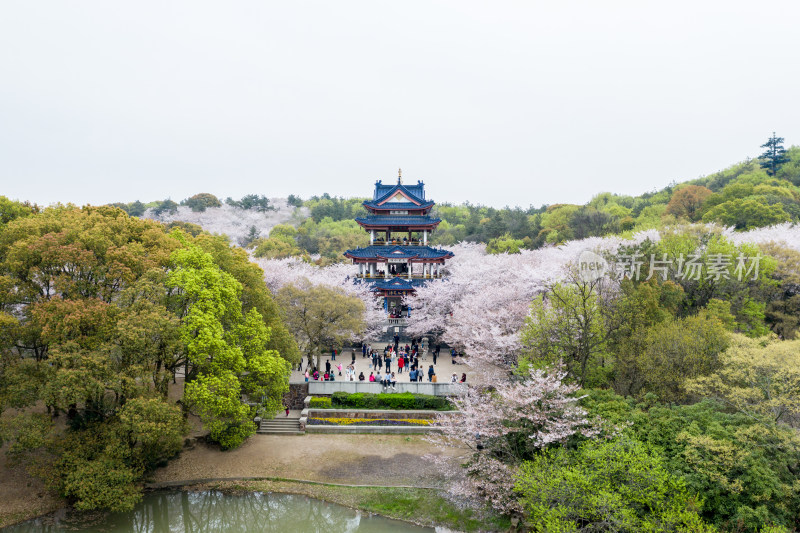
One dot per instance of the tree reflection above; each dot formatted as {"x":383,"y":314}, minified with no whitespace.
{"x":214,"y":511}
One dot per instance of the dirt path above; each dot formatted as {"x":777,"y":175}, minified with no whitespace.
{"x":385,"y":460}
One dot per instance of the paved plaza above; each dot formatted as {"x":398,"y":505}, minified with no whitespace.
{"x":444,"y":367}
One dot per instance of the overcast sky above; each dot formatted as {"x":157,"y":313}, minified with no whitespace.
{"x":500,"y":103}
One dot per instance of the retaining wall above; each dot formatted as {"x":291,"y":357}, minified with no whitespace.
{"x":296,"y":396}
{"x":327,"y":388}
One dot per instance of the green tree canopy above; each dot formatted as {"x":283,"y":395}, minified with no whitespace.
{"x":321,"y":317}
{"x":774,"y":155}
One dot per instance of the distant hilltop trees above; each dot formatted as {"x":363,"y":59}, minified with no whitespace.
{"x":202,"y":201}
{"x":754,"y":193}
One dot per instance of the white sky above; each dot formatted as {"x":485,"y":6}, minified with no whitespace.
{"x":500,"y":103}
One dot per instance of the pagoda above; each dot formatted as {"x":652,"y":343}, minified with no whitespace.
{"x":398,"y":258}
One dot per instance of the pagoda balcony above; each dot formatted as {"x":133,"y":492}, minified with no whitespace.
{"x":396,"y":242}
{"x":401,"y":276}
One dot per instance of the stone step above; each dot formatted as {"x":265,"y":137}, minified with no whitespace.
{"x":280,"y":426}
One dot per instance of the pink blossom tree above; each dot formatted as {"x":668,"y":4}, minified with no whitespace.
{"x":293,"y":271}
{"x":503,"y":426}
{"x":483,"y":303}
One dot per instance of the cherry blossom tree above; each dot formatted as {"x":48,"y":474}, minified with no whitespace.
{"x":234,"y":222}
{"x":482,"y":304}
{"x":504,"y":426}
{"x":279,"y":273}
{"x":484,"y":299}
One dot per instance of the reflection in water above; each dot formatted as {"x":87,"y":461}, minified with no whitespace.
{"x":214,"y":511}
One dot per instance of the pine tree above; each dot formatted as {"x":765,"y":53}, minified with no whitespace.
{"x":774,"y":156}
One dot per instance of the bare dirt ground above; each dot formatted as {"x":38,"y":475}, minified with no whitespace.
{"x":382,"y":460}
{"x":22,"y":496}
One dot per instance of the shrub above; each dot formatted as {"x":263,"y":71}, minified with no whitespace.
{"x":320,"y":402}
{"x":340,"y":399}
{"x":406,"y":400}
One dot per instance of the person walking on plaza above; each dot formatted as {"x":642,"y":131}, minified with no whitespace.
{"x":400,"y":365}
{"x":333,"y":354}
{"x":340,"y":368}
{"x":435,"y":355}
{"x":363,"y":349}
{"x":431,"y":372}
{"x":327,"y":366}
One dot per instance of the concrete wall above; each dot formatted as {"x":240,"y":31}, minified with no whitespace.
{"x":326,"y":388}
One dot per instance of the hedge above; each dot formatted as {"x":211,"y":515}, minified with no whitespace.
{"x":396,"y":401}
{"x":370,"y":422}
{"x":320,"y":402}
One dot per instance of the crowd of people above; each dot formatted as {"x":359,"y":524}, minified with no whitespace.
{"x":384,"y":366}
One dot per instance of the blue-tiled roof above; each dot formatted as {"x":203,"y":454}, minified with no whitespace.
{"x":415,"y":193}
{"x":397,"y":220}
{"x":398,"y":205}
{"x":399,"y":252}
{"x":397,"y":284}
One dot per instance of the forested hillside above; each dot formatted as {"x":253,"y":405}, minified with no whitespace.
{"x":744,"y":196}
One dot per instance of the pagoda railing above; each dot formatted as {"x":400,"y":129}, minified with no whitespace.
{"x":396,"y":242}
{"x":402,"y":276}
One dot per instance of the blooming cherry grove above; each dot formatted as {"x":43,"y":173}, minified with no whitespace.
{"x":482,"y":304}
{"x":506,"y":426}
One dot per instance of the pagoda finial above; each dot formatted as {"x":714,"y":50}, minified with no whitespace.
{"x":399,"y":176}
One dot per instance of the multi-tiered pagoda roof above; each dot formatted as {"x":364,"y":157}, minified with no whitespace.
{"x":399,"y":225}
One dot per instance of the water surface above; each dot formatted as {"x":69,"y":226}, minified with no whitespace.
{"x":214,"y":511}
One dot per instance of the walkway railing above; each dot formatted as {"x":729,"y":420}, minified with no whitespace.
{"x":326,"y":388}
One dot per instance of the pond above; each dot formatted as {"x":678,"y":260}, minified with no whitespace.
{"x":214,"y":511}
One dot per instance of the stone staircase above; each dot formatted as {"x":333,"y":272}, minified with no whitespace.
{"x":280,"y":426}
